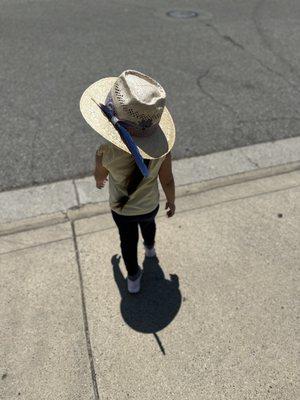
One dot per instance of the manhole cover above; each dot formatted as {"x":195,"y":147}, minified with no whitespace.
{"x":200,"y":14}
{"x":182,"y":14}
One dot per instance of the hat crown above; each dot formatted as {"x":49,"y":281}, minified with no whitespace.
{"x":138,"y":98}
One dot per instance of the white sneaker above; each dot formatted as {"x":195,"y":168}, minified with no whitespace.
{"x":150,"y":252}
{"x":134,"y":286}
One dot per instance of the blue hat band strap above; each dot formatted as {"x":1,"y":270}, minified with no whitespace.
{"x":125,"y":135}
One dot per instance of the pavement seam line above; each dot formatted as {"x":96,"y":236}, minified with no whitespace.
{"x":205,"y":206}
{"x":251,"y":161}
{"x":188,"y":190}
{"x":237,"y":199}
{"x":158,"y":216}
{"x":84,"y":313}
{"x":76,"y":193}
{"x":71,"y":195}
{"x":36,"y":245}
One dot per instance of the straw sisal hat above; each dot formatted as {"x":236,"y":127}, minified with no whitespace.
{"x":138,"y":102}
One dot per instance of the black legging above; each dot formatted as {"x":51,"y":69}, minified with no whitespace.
{"x":129,"y":235}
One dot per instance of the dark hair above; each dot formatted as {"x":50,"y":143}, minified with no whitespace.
{"x":133,"y":180}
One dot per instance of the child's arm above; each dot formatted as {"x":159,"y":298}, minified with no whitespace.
{"x":167,"y":182}
{"x":100,"y":173}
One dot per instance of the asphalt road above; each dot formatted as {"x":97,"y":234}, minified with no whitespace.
{"x":231,"y":75}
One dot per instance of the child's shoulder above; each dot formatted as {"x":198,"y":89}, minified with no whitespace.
{"x":104,"y":148}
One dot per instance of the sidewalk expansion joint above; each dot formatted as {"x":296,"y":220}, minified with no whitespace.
{"x":76,"y":193}
{"x":251,"y":161}
{"x":92,"y":209}
{"x":213,"y":201}
{"x":84,"y":313}
{"x":38,"y":206}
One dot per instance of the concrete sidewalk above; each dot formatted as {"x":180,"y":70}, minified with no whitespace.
{"x":216,"y":317}
{"x":38,"y":206}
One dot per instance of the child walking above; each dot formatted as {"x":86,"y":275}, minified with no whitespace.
{"x":129,"y":111}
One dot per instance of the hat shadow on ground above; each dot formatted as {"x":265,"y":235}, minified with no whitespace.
{"x":157,"y":303}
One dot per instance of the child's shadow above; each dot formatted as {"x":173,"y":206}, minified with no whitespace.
{"x":157,"y":303}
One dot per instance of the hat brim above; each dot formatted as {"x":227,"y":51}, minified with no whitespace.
{"x":153,"y":146}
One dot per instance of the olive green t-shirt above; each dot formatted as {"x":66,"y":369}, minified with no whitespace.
{"x":120,"y":165}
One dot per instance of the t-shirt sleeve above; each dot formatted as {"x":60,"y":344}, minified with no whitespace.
{"x":101,"y":150}
{"x":104,"y":153}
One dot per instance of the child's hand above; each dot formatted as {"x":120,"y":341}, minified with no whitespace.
{"x":100,"y":183}
{"x":171,"y":207}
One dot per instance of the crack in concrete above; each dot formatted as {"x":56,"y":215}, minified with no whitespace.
{"x":208,"y":94}
{"x":227,"y":106}
{"x":235,"y":114}
{"x":251,"y":161}
{"x":266,"y":40}
{"x":38,"y":122}
{"x":235,"y":43}
{"x":271,"y":119}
